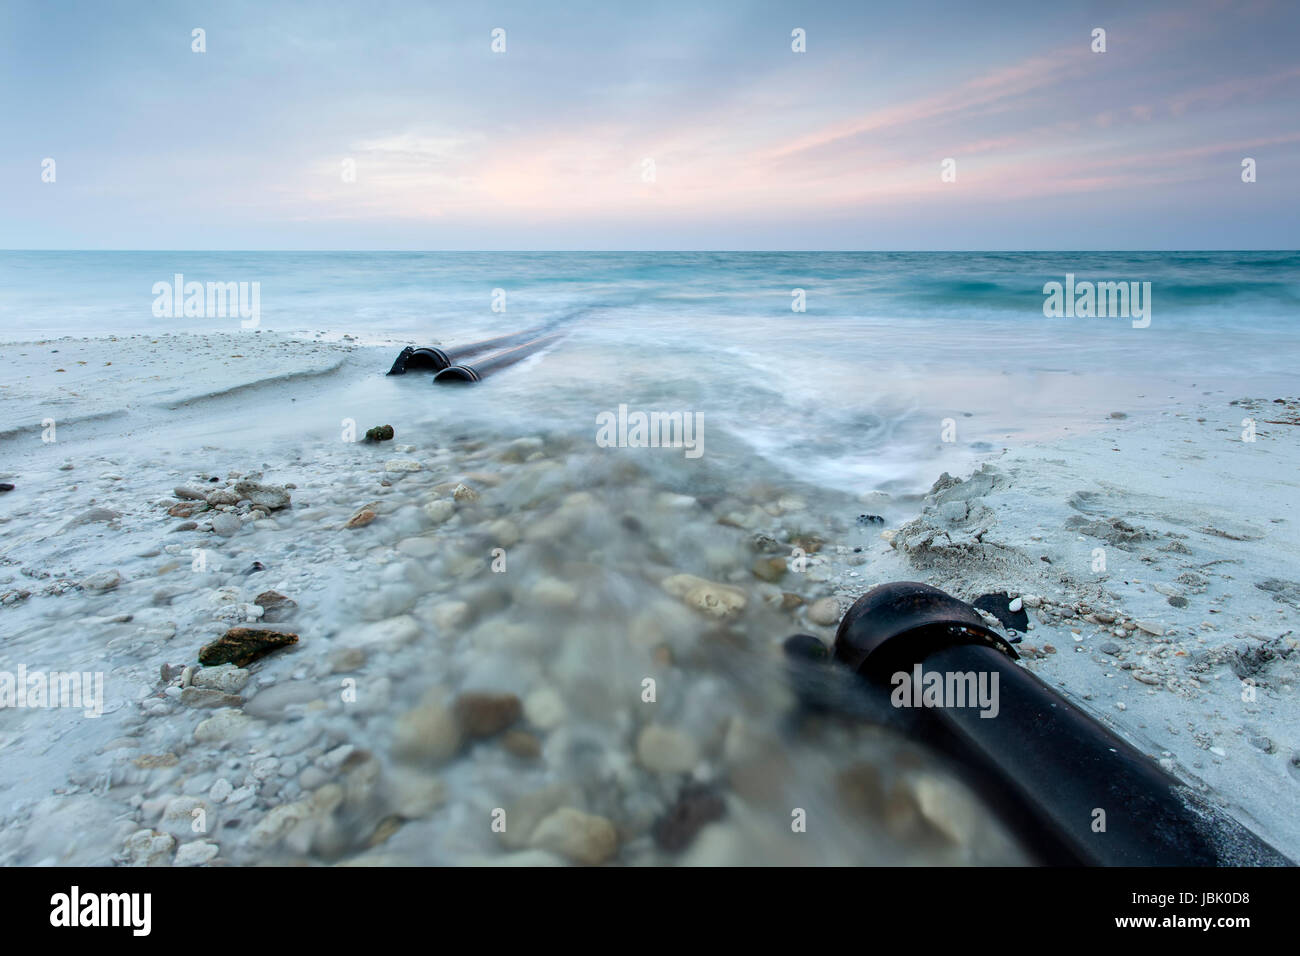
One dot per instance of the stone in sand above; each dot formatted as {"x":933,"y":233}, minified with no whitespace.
{"x":102,"y":581}
{"x":226,"y":524}
{"x":243,"y":645}
{"x":707,"y":597}
{"x":577,"y":836}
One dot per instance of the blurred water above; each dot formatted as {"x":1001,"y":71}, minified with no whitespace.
{"x":850,"y":393}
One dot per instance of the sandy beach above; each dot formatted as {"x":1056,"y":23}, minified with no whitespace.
{"x":581,"y":641}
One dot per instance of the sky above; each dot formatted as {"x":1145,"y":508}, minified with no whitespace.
{"x":641,"y":125}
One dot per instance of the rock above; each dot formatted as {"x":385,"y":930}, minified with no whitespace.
{"x":196,"y":853}
{"x":576,"y":836}
{"x":398,"y":466}
{"x":451,"y":615}
{"x":243,"y":645}
{"x":1015,"y":605}
{"x":428,"y":734}
{"x":226,"y":678}
{"x":464,"y":494}
{"x":184,"y":509}
{"x":440,"y":510}
{"x":92,"y":516}
{"x":149,"y":848}
{"x":770,"y":569}
{"x":344,"y":659}
{"x":361,"y":518}
{"x":275,"y":606}
{"x":1177,"y":600}
{"x":222,"y":496}
{"x":226,"y":524}
{"x":554,"y":593}
{"x":421,"y":547}
{"x":486,"y":715}
{"x":391,"y":632}
{"x":696,"y":807}
{"x":209,"y":697}
{"x":522,"y":744}
{"x":271,"y":497}
{"x":190,"y":494}
{"x":221,"y":726}
{"x":545,"y":709}
{"x":379,"y":433}
{"x":825,"y":612}
{"x":504,"y":532}
{"x":707,"y":597}
{"x":664,"y":749}
{"x":102,"y":581}
{"x":865,"y":521}
{"x":1149,"y":627}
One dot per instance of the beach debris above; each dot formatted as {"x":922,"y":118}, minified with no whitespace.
{"x":243,"y":645}
{"x":696,"y":807}
{"x":379,"y":433}
{"x":998,"y":603}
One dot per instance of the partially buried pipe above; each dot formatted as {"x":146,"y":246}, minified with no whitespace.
{"x":436,"y":359}
{"x":1075,"y":792}
{"x":466,"y":372}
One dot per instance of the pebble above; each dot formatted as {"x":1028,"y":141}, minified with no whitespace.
{"x":221,"y":726}
{"x":579,"y":837}
{"x":664,"y":749}
{"x":825,"y":612}
{"x":486,"y":715}
{"x":708,"y":597}
{"x":396,"y":466}
{"x":102,"y":581}
{"x":272,"y":497}
{"x":440,"y":510}
{"x":544,"y":709}
{"x":196,"y":853}
{"x":226,"y":524}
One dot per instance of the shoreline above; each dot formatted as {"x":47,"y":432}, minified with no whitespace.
{"x":521,"y":690}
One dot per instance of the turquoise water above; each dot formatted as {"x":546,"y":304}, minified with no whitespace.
{"x":851,"y":393}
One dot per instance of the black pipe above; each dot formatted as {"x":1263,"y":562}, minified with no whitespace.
{"x":466,"y":372}
{"x":1073,"y":790}
{"x":436,"y":359}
